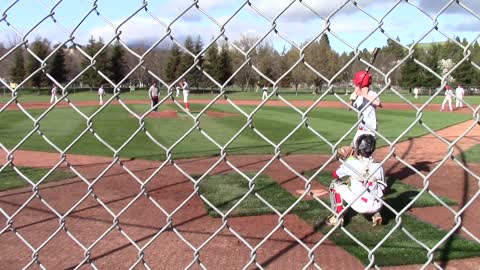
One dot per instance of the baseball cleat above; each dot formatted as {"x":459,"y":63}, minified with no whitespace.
{"x":377,"y":219}
{"x":332,"y":221}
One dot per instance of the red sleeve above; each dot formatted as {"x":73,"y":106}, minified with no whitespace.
{"x":334,"y":174}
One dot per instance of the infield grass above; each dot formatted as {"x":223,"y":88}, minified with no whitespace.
{"x":225,"y":191}
{"x":288,"y":94}
{"x":9,"y":178}
{"x":471,"y":155}
{"x":114,"y":126}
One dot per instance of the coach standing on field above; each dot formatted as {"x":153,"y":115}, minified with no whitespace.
{"x":153,"y":92}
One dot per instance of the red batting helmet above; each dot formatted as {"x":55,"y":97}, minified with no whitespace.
{"x":362,"y":79}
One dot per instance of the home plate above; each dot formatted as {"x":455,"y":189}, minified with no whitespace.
{"x":316,"y":192}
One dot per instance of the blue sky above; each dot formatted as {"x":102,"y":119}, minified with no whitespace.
{"x":298,"y":24}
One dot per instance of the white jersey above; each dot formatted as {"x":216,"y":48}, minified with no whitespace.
{"x":101,"y":91}
{"x":185,"y":87}
{"x":54,"y":90}
{"x":153,"y":91}
{"x":459,"y":92}
{"x":358,"y":171}
{"x":369,"y":114}
{"x":448,"y":94}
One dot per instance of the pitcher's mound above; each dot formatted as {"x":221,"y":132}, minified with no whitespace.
{"x":214,"y":114}
{"x":163,"y":114}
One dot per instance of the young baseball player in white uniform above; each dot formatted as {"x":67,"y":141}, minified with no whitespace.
{"x":186,"y":92}
{"x":459,"y":93}
{"x":361,"y":173}
{"x":264,"y":92}
{"x":53,"y":94}
{"x":177,"y":87}
{"x":153,"y":93}
{"x":448,"y":98}
{"x":415,"y":92}
{"x":359,"y":99}
{"x":101,"y":93}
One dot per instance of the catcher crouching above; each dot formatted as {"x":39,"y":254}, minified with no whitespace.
{"x":363,"y":182}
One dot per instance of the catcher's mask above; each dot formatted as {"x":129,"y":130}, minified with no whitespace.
{"x":365,"y":145}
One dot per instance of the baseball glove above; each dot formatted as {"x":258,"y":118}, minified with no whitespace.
{"x":353,"y":96}
{"x":344,"y":152}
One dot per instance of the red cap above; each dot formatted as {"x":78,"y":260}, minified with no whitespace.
{"x":362,"y":79}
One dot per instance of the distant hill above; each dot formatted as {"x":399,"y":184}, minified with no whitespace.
{"x":428,"y":45}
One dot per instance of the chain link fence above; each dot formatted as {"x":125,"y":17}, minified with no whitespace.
{"x":194,"y":251}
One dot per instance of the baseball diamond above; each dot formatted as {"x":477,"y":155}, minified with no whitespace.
{"x":239,"y":134}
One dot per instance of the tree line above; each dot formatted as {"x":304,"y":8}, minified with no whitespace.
{"x":222,"y":60}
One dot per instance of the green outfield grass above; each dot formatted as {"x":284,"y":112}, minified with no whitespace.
{"x":289,"y":94}
{"x":225,"y":191}
{"x":115,"y":126}
{"x":472,"y":155}
{"x":11,"y":179}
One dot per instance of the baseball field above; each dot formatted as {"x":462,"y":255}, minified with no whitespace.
{"x":169,"y":179}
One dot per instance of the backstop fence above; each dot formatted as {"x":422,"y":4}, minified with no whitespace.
{"x":193,"y":252}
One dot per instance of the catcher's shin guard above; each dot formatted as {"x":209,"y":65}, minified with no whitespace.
{"x":336,"y":202}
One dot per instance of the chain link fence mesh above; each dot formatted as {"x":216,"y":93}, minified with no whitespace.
{"x":165,"y":28}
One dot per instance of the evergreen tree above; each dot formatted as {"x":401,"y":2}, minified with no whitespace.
{"x":212,"y":63}
{"x":187,"y":59}
{"x":431,"y":58}
{"x":225,"y":64}
{"x":411,"y":73}
{"x":58,"y":69}
{"x":17,"y":68}
{"x":196,"y":74}
{"x":465,"y":73}
{"x":40,"y":49}
{"x":91,"y":77}
{"x":172,"y":69}
{"x":117,"y":64}
{"x":476,"y":59}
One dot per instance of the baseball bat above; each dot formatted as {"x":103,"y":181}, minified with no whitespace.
{"x":374,"y":56}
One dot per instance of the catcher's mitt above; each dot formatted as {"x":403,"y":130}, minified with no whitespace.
{"x":344,"y":152}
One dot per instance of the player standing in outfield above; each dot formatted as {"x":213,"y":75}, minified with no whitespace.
{"x":359,"y":99}
{"x":186,"y":92}
{"x":177,"y":87}
{"x":264,"y":92}
{"x":361,"y":173}
{"x":53,"y":94}
{"x":459,"y":93}
{"x":153,"y":93}
{"x":415,"y":92}
{"x":448,"y":98}
{"x":101,"y":93}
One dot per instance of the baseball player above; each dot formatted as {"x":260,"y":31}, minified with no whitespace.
{"x":186,"y":92}
{"x":459,"y":93}
{"x":448,"y":98}
{"x":365,"y":183}
{"x":53,"y":93}
{"x":359,"y":99}
{"x":177,"y":87}
{"x":153,"y":93}
{"x":264,"y":92}
{"x":415,"y":92}
{"x":101,"y":93}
